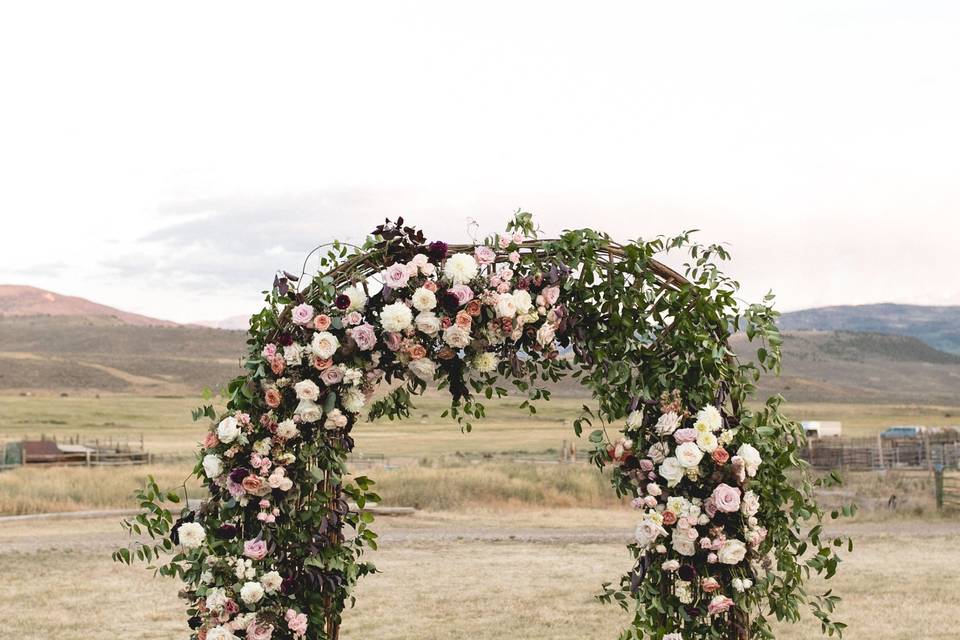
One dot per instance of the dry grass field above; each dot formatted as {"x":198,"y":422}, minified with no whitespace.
{"x":477,"y":574}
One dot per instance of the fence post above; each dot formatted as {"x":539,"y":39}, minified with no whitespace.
{"x":938,"y":485}
{"x":880,"y":452}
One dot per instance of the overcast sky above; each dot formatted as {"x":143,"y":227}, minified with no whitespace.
{"x":168,"y":158}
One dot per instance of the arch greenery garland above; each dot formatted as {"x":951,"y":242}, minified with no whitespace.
{"x":728,"y":530}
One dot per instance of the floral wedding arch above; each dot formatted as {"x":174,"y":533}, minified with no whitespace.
{"x":727,"y":530}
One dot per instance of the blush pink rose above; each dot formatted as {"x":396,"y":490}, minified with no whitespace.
{"x":397,"y":276}
{"x":302,"y":314}
{"x":710,"y":585}
{"x":484,"y":255}
{"x":210,"y":440}
{"x":726,"y":498}
{"x":353,"y":318}
{"x":364,"y":336}
{"x":322,"y":322}
{"x":463,"y":292}
{"x":685,"y":435}
{"x":720,"y":455}
{"x":255,"y":549}
{"x":296,"y":622}
{"x":259,"y":631}
{"x":551,"y":295}
{"x":719,"y":604}
{"x":393,"y":340}
{"x":332,"y":376}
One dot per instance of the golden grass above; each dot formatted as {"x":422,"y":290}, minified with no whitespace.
{"x":440,"y":582}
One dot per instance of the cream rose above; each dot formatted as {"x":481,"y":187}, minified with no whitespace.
{"x":423,"y":299}
{"x":324,"y":344}
{"x":671,"y":471}
{"x":732,"y":552}
{"x":307,"y":390}
{"x":251,"y":592}
{"x":689,"y":455}
{"x":751,"y":458}
{"x":228,"y":430}
{"x":423,"y":368}
{"x":212,"y":465}
{"x":667,"y":424}
{"x":428,"y":323}
{"x":456,"y":337}
{"x":191,"y":534}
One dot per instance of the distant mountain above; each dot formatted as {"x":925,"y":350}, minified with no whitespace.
{"x":241,"y":323}
{"x":842,"y":366}
{"x":21,"y":300}
{"x":939,"y":327}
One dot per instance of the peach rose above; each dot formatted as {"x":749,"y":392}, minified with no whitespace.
{"x":272,"y":398}
{"x":252,"y":484}
{"x":321,"y":322}
{"x":473,"y":308}
{"x":430,"y":285}
{"x":417,"y":351}
{"x":720,"y":455}
{"x":446,"y":353}
{"x":210,"y":440}
{"x":464,"y":320}
{"x":669,"y":517}
{"x":277,"y":365}
{"x":320,"y":364}
{"x":709,"y":585}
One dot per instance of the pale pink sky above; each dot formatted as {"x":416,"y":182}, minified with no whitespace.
{"x":166,"y":159}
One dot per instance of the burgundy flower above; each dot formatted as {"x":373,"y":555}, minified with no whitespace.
{"x":687,"y":572}
{"x":437,"y":251}
{"x":227,"y":531}
{"x":238,"y":474}
{"x":342,"y":301}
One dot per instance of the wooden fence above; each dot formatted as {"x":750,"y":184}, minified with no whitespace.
{"x":881,"y":453}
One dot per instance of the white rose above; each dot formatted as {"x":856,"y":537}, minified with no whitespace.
{"x":751,"y":458}
{"x":522,"y":301}
{"x":308,"y":410}
{"x":288,"y":430}
{"x":396,"y":317}
{"x":456,"y":336}
{"x":635,"y":419}
{"x":191,"y":534}
{"x":220,"y":633}
{"x":647,"y":532}
{"x":428,"y":323}
{"x":654,"y":489}
{"x":423,"y":299}
{"x":546,"y":335}
{"x":710,"y":418}
{"x":707,"y":441}
{"x":324,"y":344}
{"x":272,"y":581}
{"x":212,"y":465}
{"x":670,"y":565}
{"x":358,"y":297}
{"x":460,"y":268}
{"x":228,"y":430}
{"x":307,"y":390}
{"x":506,"y":307}
{"x":682,"y":543}
{"x":667,"y":423}
{"x":251,"y":592}
{"x":749,"y":504}
{"x":732,"y":552}
{"x":689,"y":455}
{"x":671,"y":471}
{"x":423,"y":368}
{"x":293,"y":354}
{"x":354,"y":401}
{"x":216,"y":598}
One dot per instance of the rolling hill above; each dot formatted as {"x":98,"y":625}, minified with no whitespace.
{"x":939,"y":327}
{"x":843,"y":366}
{"x":21,"y":300}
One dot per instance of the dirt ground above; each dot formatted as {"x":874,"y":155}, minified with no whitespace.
{"x":479,"y":575}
